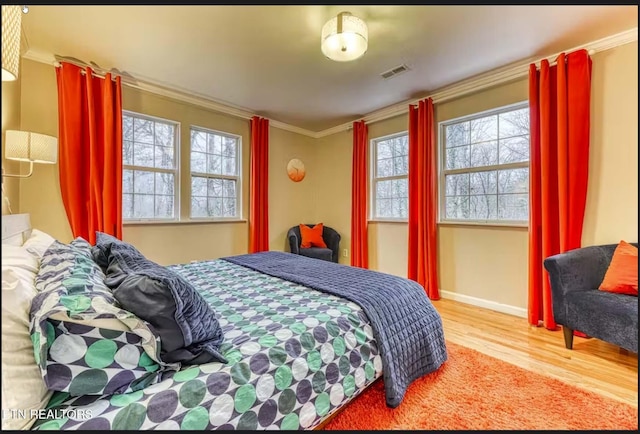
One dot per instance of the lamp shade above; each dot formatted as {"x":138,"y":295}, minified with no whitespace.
{"x":27,"y":146}
{"x":11,"y":21}
{"x":344,"y":38}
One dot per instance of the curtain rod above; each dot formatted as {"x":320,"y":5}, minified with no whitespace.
{"x":97,"y":70}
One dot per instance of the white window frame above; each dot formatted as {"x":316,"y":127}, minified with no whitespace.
{"x":237,"y":178}
{"x":443,"y":172}
{"x":175,"y":171}
{"x":373,"y":178}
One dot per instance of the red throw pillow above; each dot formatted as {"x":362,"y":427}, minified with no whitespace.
{"x":312,"y":237}
{"x":622,"y":275}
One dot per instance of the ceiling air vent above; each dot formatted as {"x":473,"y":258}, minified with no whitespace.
{"x":394,"y":71}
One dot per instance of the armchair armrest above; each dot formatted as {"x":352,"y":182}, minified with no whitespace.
{"x":294,"y":243}
{"x":332,"y":240}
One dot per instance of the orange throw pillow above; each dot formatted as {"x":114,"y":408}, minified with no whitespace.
{"x":312,"y":237}
{"x":622,"y":275}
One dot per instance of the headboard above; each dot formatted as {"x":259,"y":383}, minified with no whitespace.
{"x":15,"y":227}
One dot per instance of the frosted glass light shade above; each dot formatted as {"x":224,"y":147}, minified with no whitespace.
{"x":344,"y":38}
{"x":27,"y":146}
{"x":11,"y":22}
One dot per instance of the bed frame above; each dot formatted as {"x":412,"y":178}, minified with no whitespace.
{"x":15,"y":227}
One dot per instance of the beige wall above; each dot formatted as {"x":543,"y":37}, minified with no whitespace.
{"x":10,"y":121}
{"x":178,"y":242}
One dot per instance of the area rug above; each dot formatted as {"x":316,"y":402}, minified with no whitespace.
{"x":473,"y":391}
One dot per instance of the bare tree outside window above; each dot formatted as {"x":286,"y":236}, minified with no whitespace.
{"x":150,"y":172}
{"x":485,"y":167}
{"x":215,"y":174}
{"x":390,"y":170}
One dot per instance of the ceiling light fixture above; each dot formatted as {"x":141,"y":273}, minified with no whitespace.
{"x":344,"y":38}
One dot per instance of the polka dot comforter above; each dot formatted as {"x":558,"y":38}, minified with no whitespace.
{"x":295,"y":355}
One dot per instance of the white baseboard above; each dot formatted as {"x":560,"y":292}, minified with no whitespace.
{"x":487,"y":304}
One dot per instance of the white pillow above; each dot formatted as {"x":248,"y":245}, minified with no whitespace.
{"x":22,"y":385}
{"x":38,"y":243}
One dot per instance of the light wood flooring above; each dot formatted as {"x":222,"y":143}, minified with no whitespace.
{"x":592,"y":364}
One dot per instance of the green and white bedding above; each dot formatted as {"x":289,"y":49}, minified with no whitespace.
{"x":295,"y":355}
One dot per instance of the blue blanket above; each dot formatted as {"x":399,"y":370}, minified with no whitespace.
{"x":406,"y":326}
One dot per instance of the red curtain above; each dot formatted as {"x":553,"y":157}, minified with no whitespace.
{"x":90,"y":147}
{"x":559,"y":103}
{"x":423,"y":198}
{"x":259,"y":186}
{"x":359,"y":236}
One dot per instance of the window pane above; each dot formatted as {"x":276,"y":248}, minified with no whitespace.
{"x":514,"y":123}
{"x":127,"y":152}
{"x":401,"y":146}
{"x":198,"y":162}
{"x":383,"y":208}
{"x":483,"y":207}
{"x":457,"y":185}
{"x":127,"y":181}
{"x":143,"y":155}
{"x":127,"y":128}
{"x":164,"y":206}
{"x":164,"y":157}
{"x":401,"y":165}
{"x":143,"y":183}
{"x":513,"y":181}
{"x":483,"y":182}
{"x":513,"y":207}
{"x":214,"y":207}
{"x":457,"y":134}
{"x":143,"y":206}
{"x":198,"y":141}
{"x":457,"y":207}
{"x":164,"y":183}
{"x":127,"y":206}
{"x":399,"y":207}
{"x":384,"y":150}
{"x":214,"y":164}
{"x":215,"y":187}
{"x":484,"y":154}
{"x":198,"y":206}
{"x":229,"y":166}
{"x":229,"y":188}
{"x":514,"y":150}
{"x":229,"y":207}
{"x":198,"y":186}
{"x":484,"y":129}
{"x":214,"y":143}
{"x":385,"y":167}
{"x":457,"y":158}
{"x":400,"y":188}
{"x":229,"y":147}
{"x":164,"y":134}
{"x":383,"y":189}
{"x":143,"y":130}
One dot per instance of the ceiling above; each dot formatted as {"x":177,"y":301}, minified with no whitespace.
{"x":267,"y":59}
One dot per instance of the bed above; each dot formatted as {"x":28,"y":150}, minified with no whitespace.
{"x":301,"y":339}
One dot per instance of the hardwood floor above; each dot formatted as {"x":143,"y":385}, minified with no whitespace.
{"x":592,"y":364}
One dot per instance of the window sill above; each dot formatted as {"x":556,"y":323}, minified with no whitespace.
{"x":485,"y":224}
{"x":388,"y":221}
{"x":180,"y":222}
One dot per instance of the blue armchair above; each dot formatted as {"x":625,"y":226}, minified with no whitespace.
{"x":330,"y":236}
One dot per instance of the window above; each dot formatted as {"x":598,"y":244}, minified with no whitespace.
{"x":150,"y":167}
{"x":215,"y":174}
{"x":485,"y":167}
{"x":390,"y":168}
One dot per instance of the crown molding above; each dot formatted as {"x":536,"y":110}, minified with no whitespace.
{"x":479,"y":82}
{"x":485,"y":80}
{"x":182,"y":95}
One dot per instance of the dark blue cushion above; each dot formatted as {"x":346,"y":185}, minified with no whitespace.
{"x":188,"y":328}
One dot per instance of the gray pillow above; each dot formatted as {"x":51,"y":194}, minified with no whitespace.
{"x":188,"y":328}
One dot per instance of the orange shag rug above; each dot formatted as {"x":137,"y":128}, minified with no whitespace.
{"x":473,"y":391}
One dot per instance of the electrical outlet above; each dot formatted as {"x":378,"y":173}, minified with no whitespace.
{"x":345,"y":253}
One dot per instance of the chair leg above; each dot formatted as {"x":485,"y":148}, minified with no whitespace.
{"x":568,"y":337}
